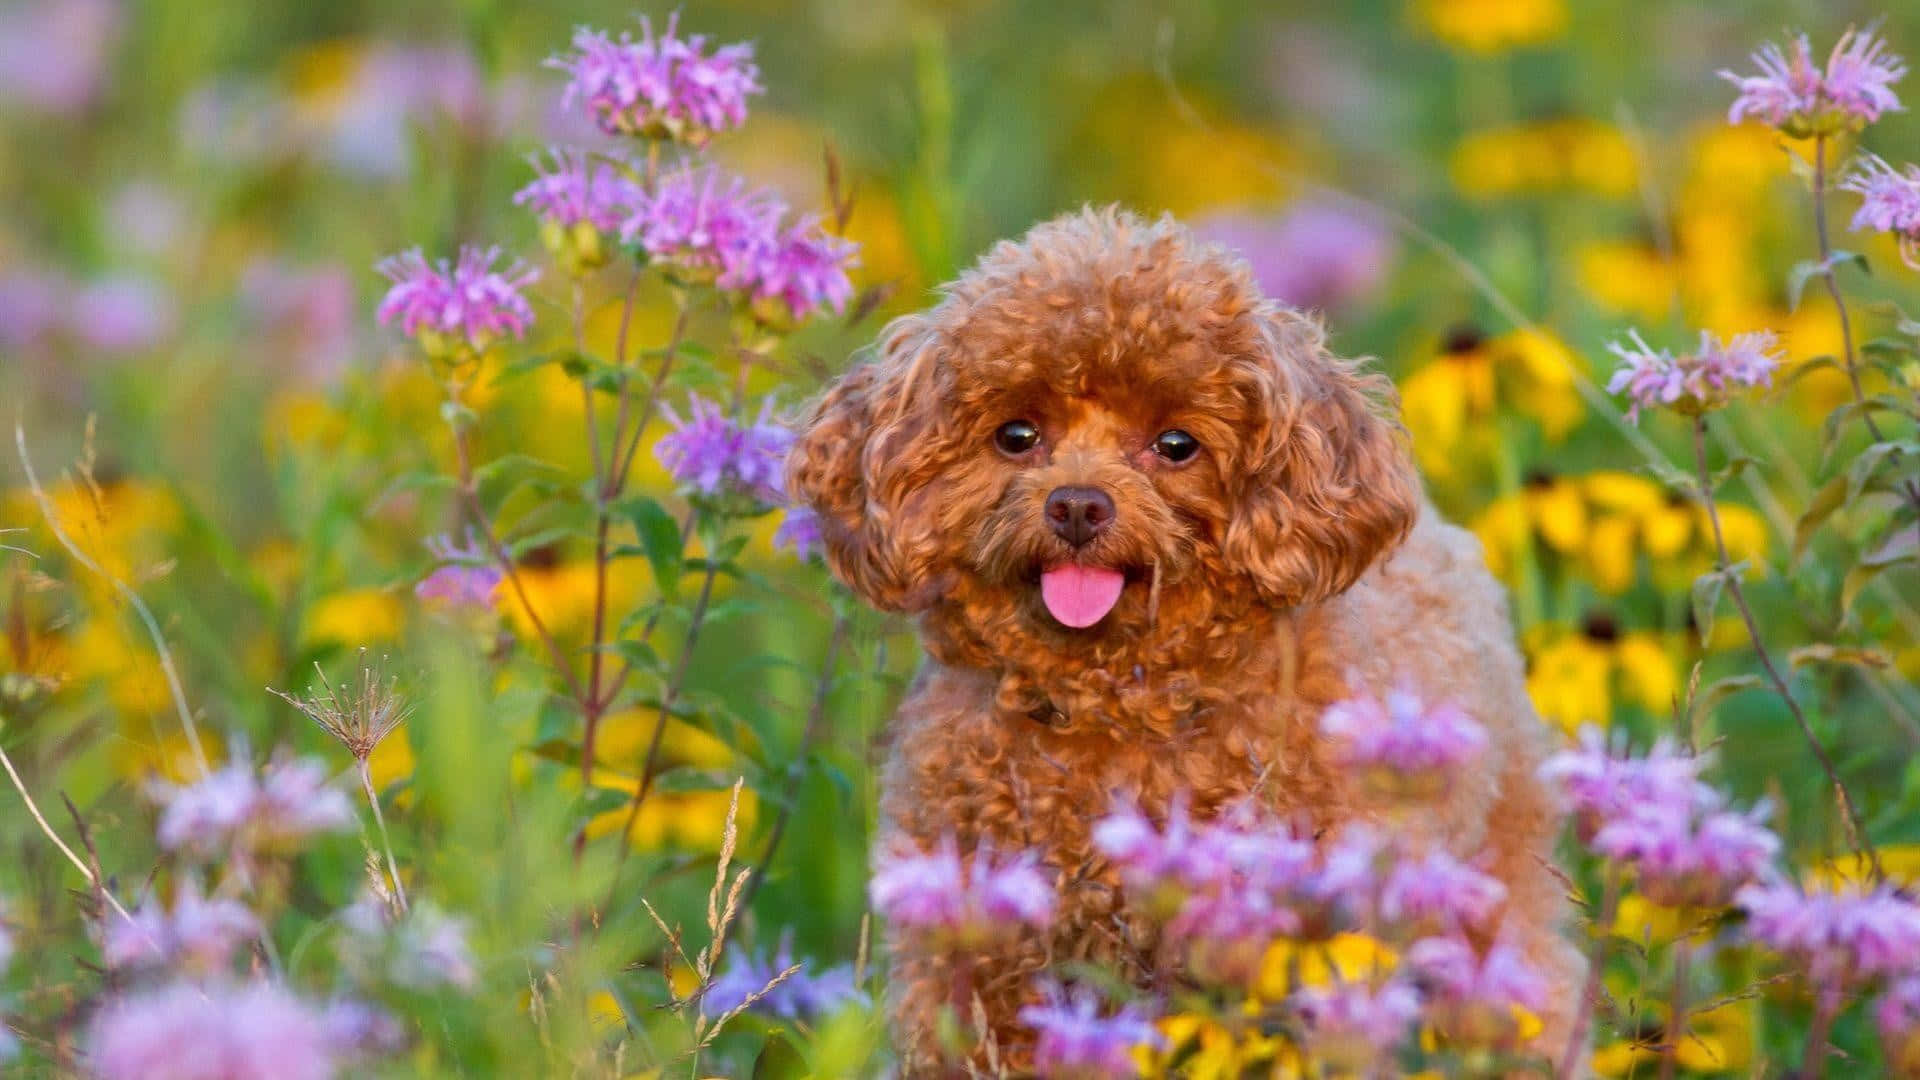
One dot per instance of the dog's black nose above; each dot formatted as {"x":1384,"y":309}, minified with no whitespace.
{"x":1079,"y":514}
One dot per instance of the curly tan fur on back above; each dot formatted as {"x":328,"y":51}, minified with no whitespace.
{"x":1262,"y":580}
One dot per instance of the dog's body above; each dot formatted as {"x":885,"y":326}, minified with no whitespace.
{"x":1215,"y":603}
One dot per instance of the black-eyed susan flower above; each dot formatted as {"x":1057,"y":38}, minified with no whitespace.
{"x":1575,"y":675}
{"x":1548,"y":510}
{"x":1451,"y":403}
{"x":1631,"y":516}
{"x":1491,"y":26}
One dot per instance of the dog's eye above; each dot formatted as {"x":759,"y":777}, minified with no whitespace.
{"x":1016,"y":437}
{"x":1176,"y":445}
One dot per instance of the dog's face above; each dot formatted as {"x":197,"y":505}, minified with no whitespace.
{"x":1092,"y":416}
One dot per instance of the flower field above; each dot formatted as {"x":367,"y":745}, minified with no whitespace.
{"x":412,"y":661}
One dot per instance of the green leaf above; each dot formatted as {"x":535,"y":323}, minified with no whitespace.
{"x":538,"y":539}
{"x":1838,"y":419}
{"x":1831,"y":496}
{"x":1903,"y":547}
{"x":1674,"y":478}
{"x":1735,"y":465}
{"x":659,"y":537}
{"x":641,"y":654}
{"x":526,"y":364}
{"x":1706,"y":592}
{"x":1802,"y":272}
{"x":1710,"y":697}
{"x":1841,"y":258}
{"x":1804,"y":369}
{"x":1872,"y":458}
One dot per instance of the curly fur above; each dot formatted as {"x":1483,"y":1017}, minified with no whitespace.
{"x":1289,"y":564}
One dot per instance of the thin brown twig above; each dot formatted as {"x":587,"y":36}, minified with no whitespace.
{"x":79,"y":864}
{"x":1856,"y":834}
{"x":1574,"y":1058}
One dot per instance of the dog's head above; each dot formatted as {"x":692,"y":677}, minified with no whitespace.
{"x":1102,"y":410}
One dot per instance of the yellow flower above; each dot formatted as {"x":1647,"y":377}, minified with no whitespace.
{"x":170,"y":757}
{"x":562,"y":592}
{"x":679,"y":820}
{"x":352,"y":618}
{"x":1574,"y":677}
{"x":1717,"y":1040}
{"x":303,"y":419}
{"x":1632,"y":279}
{"x":121,"y":524}
{"x":1639,"y":919}
{"x":1450,"y":404}
{"x":1206,"y":1049}
{"x":1490,"y":26}
{"x":1573,"y":154}
{"x":1901,"y":862}
{"x":1289,"y":965}
{"x":623,"y":739}
{"x":392,"y":761}
{"x":103,"y":649}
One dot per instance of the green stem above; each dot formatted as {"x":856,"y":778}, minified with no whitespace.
{"x":1856,"y":835}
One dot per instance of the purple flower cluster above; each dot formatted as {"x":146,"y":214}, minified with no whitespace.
{"x":803,"y":995}
{"x":574,"y":188}
{"x":56,"y":55}
{"x":119,"y":313}
{"x":1686,"y":858}
{"x":712,"y":454}
{"x":1655,"y":817}
{"x":1841,"y":940}
{"x":424,"y":949}
{"x":236,"y":811}
{"x":1435,"y":893}
{"x":1693,"y":383}
{"x":1794,"y":94}
{"x":661,"y":86}
{"x":578,"y":198}
{"x":1225,"y":890}
{"x":1889,"y":203}
{"x":1316,"y":255}
{"x":1400,"y":746}
{"x":460,"y":309}
{"x":710,"y":226}
{"x":252,"y":1031}
{"x":198,"y":935}
{"x":1472,"y":996}
{"x":1599,"y":786}
{"x":799,"y":531}
{"x":1349,"y":1028}
{"x":1075,"y":1042}
{"x":935,"y":894}
{"x":464,"y":582}
{"x":307,"y":311}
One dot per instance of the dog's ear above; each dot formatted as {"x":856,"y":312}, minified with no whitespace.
{"x":862,"y":458}
{"x":1324,"y":486}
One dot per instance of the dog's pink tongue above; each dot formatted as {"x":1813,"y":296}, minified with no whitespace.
{"x":1081,"y":595}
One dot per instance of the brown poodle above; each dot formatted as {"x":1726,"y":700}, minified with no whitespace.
{"x":1151,"y":528}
